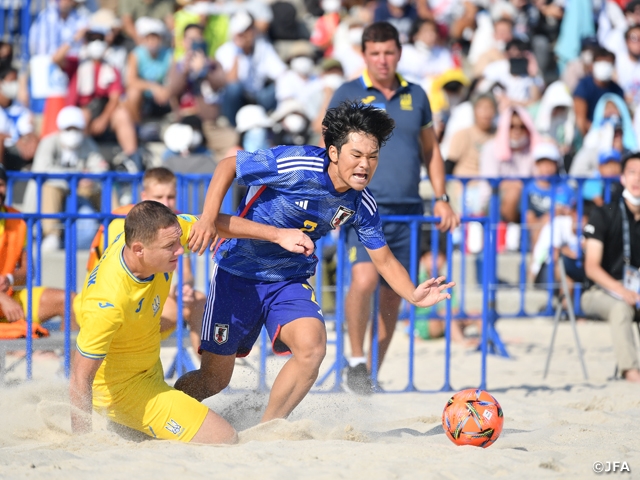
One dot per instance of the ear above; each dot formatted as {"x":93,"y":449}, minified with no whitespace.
{"x":333,"y":153}
{"x":138,"y":249}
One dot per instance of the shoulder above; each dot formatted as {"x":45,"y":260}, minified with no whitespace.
{"x":352,"y":87}
{"x":368,"y":201}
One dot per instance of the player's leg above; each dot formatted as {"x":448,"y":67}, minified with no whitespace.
{"x":215,"y":430}
{"x":212,"y":377}
{"x":307,"y":340}
{"x":48,"y":303}
{"x":169,"y":315}
{"x":193,"y":315}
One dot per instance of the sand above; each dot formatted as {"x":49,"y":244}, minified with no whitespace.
{"x":553,"y":428}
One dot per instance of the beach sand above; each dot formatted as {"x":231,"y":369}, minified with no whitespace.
{"x":553,"y":428}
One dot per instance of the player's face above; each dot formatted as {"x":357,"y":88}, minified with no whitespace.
{"x":162,"y":254}
{"x":164,"y":193}
{"x":631,"y":177}
{"x":356,"y":163}
{"x":381,"y":59}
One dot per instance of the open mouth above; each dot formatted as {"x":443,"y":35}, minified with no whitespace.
{"x":361,"y":176}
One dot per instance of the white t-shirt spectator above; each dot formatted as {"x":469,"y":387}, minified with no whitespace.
{"x":417,"y":63}
{"x":518,"y":89}
{"x":628,"y":71}
{"x":290,"y":85}
{"x":15,"y":121}
{"x":253,"y":70}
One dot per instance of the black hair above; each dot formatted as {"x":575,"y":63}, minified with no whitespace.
{"x":380,"y":32}
{"x":627,"y":157}
{"x":603,"y":53}
{"x":4,"y":73}
{"x":349,"y":117}
{"x":190,"y":26}
{"x":417,"y":25}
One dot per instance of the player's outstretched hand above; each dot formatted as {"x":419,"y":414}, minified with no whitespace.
{"x":431,"y":292}
{"x":203,"y":233}
{"x":295,"y":241}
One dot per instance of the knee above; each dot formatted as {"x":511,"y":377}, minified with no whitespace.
{"x":621,"y":314}
{"x":312,"y":354}
{"x":363,"y":284}
{"x":120,"y":117}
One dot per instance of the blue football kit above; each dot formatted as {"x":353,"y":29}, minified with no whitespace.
{"x":259,"y":283}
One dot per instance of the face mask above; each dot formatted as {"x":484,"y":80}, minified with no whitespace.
{"x":302,"y":66}
{"x":294,"y":123}
{"x":519,"y":143}
{"x":255,"y":139}
{"x":587,"y":57}
{"x":71,"y":138}
{"x":355,"y":36}
{"x":330,"y":6}
{"x":635,"y":201}
{"x":398,"y":3}
{"x":602,"y":71}
{"x":96,"y":49}
{"x":500,"y":45}
{"x":9,"y":89}
{"x":421,"y":46}
{"x":332,"y":81}
{"x":196,"y":140}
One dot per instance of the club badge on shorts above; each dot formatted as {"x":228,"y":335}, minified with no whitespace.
{"x":221,"y":333}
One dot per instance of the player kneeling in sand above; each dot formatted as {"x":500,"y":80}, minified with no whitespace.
{"x":118,"y":346}
{"x":257,"y":283}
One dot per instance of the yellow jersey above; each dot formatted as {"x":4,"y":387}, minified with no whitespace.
{"x":119,"y":316}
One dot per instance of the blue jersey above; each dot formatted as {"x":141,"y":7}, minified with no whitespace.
{"x":289,"y":187}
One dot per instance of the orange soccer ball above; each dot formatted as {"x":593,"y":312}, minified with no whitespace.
{"x":472,"y":417}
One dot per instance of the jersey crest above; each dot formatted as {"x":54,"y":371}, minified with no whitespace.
{"x":341,"y":216}
{"x":155,"y":305}
{"x":221,"y":333}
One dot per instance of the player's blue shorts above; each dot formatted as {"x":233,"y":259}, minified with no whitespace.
{"x":398,"y":236}
{"x":237,"y":308}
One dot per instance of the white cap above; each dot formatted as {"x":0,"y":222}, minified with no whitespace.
{"x":286,"y":107}
{"x":178,"y":136}
{"x":252,"y":116}
{"x":106,"y":18}
{"x":240,"y":23}
{"x":547,"y":151}
{"x":149,"y":26}
{"x":71,"y":117}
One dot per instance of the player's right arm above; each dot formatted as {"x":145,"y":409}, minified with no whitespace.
{"x":83,"y":371}
{"x":204,"y":231}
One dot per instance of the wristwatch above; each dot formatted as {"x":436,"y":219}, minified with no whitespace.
{"x":442,"y":198}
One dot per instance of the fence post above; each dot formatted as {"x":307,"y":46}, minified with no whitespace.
{"x":447,"y":340}
{"x":29,"y":286}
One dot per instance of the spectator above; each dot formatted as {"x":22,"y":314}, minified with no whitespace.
{"x":510,"y":154}
{"x":67,"y":151}
{"x":195,"y":83}
{"x":290,"y":123}
{"x":60,"y":23}
{"x":186,"y":149}
{"x":502,"y":34}
{"x":609,"y":166}
{"x":611,"y":261}
{"x":628,"y":66}
{"x":546,"y":16}
{"x":348,"y":51}
{"x":46,"y":302}
{"x":254,"y":127}
{"x":519,"y":74}
{"x":214,"y":25}
{"x":463,"y":158}
{"x":593,"y":86}
{"x":326,"y":26}
{"x":611,"y":128}
{"x":330,"y":80}
{"x":395,"y":188}
{"x":399,"y":13}
{"x":16,"y":123}
{"x":251,"y":66}
{"x":96,"y":88}
{"x":147,"y":71}
{"x":582,"y":65}
{"x":423,"y":58}
{"x":296,"y":82}
{"x":556,"y":119}
{"x":539,"y":192}
{"x":132,"y":10}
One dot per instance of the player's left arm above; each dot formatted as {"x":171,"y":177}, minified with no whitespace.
{"x":425,"y":295}
{"x":436,"y":170}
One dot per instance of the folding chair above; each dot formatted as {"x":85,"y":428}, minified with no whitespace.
{"x":566,"y":295}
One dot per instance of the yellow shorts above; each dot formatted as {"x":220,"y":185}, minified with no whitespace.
{"x":20,"y":296}
{"x":152,"y":407}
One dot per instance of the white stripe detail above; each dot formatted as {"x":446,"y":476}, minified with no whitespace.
{"x":365,"y":202}
{"x":208,"y":319}
{"x":316,"y":159}
{"x":284,"y":170}
{"x":251,"y":193}
{"x":294,"y":161}
{"x":302,"y":203}
{"x":370,"y":197}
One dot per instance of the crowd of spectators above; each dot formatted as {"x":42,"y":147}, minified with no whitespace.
{"x":505,"y":78}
